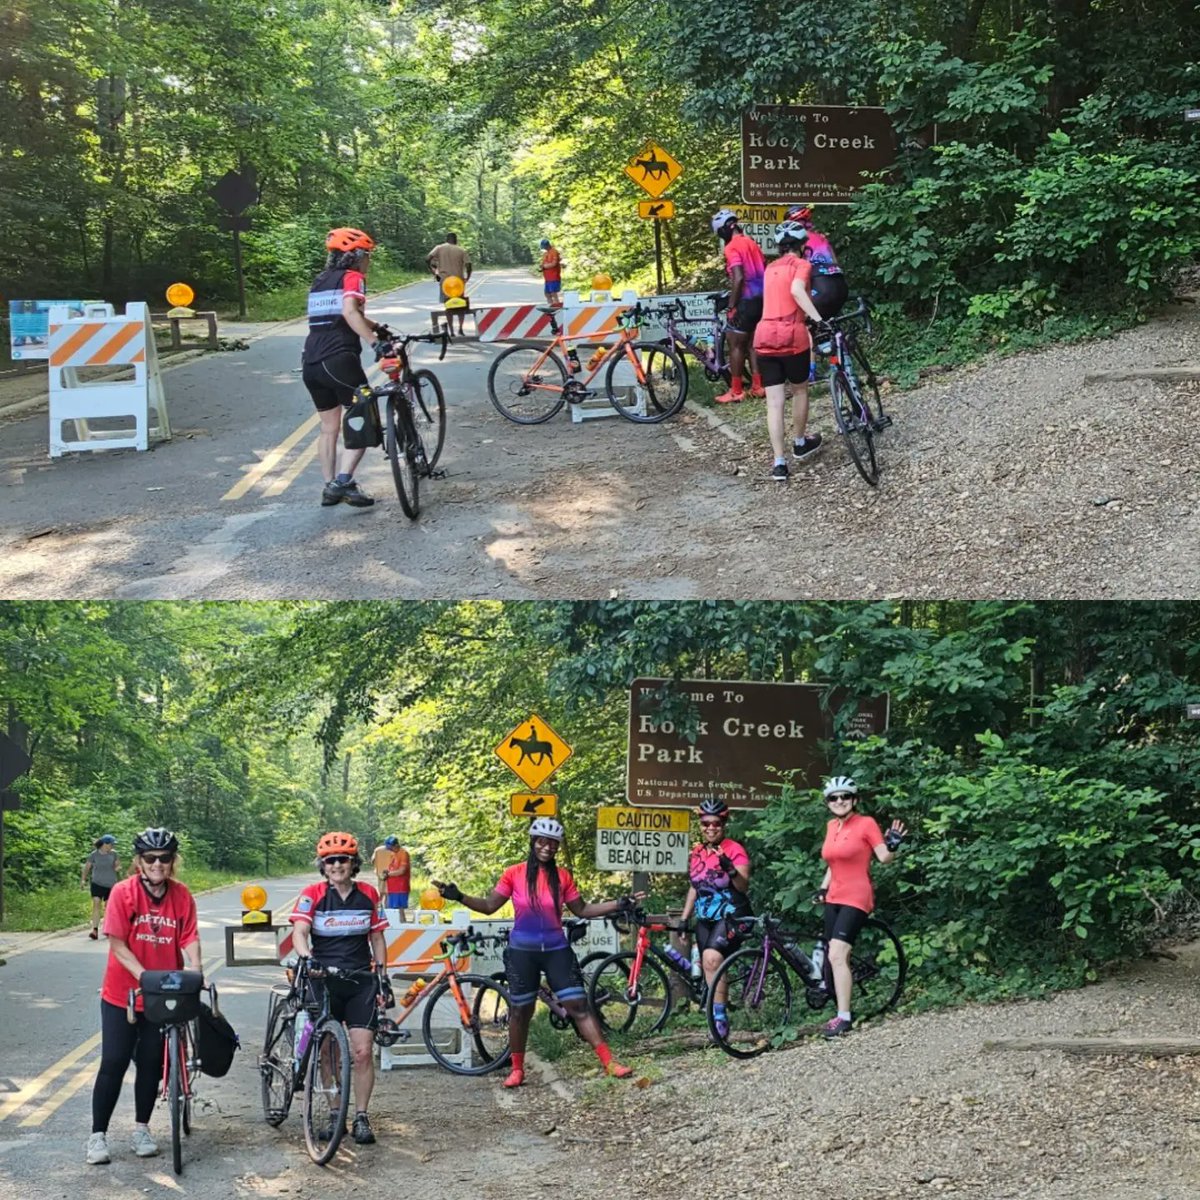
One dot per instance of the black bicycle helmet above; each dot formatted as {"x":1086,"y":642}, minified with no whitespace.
{"x":155,"y":839}
{"x":712,"y":807}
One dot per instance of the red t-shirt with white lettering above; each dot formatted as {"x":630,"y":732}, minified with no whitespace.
{"x":156,"y":932}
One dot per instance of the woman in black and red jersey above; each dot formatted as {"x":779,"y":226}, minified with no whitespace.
{"x":150,"y":924}
{"x":339,"y":922}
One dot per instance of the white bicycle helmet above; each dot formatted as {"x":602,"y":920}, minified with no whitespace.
{"x":790,"y":231}
{"x":840,"y":785}
{"x":546,"y":827}
{"x":722,"y":219}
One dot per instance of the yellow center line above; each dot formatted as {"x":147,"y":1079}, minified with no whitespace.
{"x":50,"y":1074}
{"x":40,"y":1115}
{"x":286,"y":480}
{"x":255,"y":473}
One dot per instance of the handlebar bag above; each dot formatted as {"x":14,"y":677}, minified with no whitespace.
{"x":361,"y":429}
{"x":170,"y":997}
{"x":216,"y":1042}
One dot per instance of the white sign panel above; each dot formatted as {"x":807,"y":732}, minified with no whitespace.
{"x":642,"y":839}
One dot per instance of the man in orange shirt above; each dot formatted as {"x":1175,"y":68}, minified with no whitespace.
{"x":396,"y":876}
{"x":551,"y":268}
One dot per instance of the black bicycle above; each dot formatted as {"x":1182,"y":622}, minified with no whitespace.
{"x":762,"y":1005}
{"x":414,"y":429}
{"x":854,"y":387}
{"x":172,"y":999}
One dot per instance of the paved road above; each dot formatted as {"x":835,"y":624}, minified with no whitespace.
{"x":49,"y":1051}
{"x":230,"y":507}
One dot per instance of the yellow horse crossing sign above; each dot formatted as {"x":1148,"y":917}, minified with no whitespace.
{"x":533,"y":751}
{"x":653,"y":169}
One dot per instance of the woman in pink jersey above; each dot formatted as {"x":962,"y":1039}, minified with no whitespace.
{"x":783,"y":345}
{"x":852,"y":840}
{"x":150,"y":924}
{"x":537,"y":946}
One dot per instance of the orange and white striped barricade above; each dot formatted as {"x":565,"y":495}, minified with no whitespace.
{"x":595,"y":321}
{"x":84,"y":346}
{"x":411,"y":948}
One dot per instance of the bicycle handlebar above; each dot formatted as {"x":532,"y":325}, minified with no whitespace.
{"x":863,"y":312}
{"x":134,"y":993}
{"x":402,"y":340}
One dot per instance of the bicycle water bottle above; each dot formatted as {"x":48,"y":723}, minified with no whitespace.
{"x":697,"y":971}
{"x":573,"y":364}
{"x":597,"y":357}
{"x":680,"y":960}
{"x":415,"y":989}
{"x":818,"y":958}
{"x":303,"y":1034}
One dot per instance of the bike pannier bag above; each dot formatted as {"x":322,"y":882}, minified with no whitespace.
{"x":361,"y":429}
{"x":170,"y":997}
{"x":216,"y":1043}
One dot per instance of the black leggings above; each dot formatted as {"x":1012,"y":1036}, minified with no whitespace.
{"x":121,"y":1044}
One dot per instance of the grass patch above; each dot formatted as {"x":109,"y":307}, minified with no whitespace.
{"x":66,"y":906}
{"x":288,"y":303}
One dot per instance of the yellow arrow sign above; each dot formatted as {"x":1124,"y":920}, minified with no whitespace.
{"x":534,"y":804}
{"x":653,"y":170}
{"x":533,"y":751}
{"x":662,"y":209}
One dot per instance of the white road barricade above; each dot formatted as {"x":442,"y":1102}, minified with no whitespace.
{"x":86,"y":344}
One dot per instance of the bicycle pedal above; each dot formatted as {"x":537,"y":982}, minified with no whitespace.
{"x":881,"y":423}
{"x":440,"y":473}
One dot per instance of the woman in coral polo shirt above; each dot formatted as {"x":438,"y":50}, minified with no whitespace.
{"x":851,"y":840}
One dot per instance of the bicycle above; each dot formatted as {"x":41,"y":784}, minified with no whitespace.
{"x":759,"y":992}
{"x":530,"y":384}
{"x":415,"y":416}
{"x":857,"y":414}
{"x":172,"y":999}
{"x":283,"y":1072}
{"x":710,"y":348}
{"x":559,"y":1017}
{"x":630,"y":992}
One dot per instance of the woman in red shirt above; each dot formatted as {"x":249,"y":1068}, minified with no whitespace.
{"x":783,"y":346}
{"x":851,"y":840}
{"x":150,"y":924}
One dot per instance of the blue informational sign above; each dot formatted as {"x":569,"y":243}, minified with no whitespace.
{"x":29,"y":325}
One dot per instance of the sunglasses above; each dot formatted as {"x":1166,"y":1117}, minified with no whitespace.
{"x":158,"y":858}
{"x":336,"y":860}
{"x":712,"y":824}
{"x":838,"y":799}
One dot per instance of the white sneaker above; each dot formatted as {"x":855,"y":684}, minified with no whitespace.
{"x":97,"y":1149}
{"x":144,"y":1146}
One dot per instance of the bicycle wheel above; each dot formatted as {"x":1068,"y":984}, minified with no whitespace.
{"x":175,"y":1096}
{"x":856,"y":433}
{"x":398,"y":444}
{"x":275,"y":1062}
{"x":758,"y":1002}
{"x":483,"y":1025}
{"x":865,"y":387}
{"x":636,"y":1013}
{"x":879,"y":966}
{"x":191,"y":1070}
{"x":526,"y":384}
{"x":326,"y":1091}
{"x":429,"y":414}
{"x":650,"y":391}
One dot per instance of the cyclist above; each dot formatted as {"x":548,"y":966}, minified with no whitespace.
{"x":339,"y":922}
{"x":828,"y":286}
{"x":719,"y":880}
{"x":745,"y":265}
{"x":103,"y":866}
{"x":784,"y":346}
{"x":151,"y":925}
{"x":538,"y":888}
{"x":851,"y":839}
{"x":331,"y":369}
{"x":551,"y":268}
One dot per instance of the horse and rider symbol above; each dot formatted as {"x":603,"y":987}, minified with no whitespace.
{"x":533,"y":751}
{"x":653,"y":170}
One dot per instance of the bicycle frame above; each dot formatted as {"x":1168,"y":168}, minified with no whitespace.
{"x":712,"y":362}
{"x":578,"y":388}
{"x":697,"y":988}
{"x":452,"y":948}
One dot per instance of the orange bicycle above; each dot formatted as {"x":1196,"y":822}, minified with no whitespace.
{"x":644,"y":381}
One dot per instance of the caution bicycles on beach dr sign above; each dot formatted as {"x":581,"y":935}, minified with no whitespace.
{"x":533,"y":751}
{"x":642,"y":839}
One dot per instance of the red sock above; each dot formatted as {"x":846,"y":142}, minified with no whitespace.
{"x":756,"y":383}
{"x":516,"y":1076}
{"x":604,"y":1054}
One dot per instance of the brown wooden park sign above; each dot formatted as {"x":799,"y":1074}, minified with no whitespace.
{"x":747,"y":733}
{"x":796,"y":153}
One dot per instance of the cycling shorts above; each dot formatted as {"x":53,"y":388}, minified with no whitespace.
{"x":351,"y":1001}
{"x":100,"y":892}
{"x":775,"y":369}
{"x":525,"y":969}
{"x":829,"y":293}
{"x":748,"y":314}
{"x":331,"y":382}
{"x":843,"y":921}
{"x":721,"y":935}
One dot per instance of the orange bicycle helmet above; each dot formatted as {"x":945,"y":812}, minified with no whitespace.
{"x":345,"y":240}
{"x":337,"y":843}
